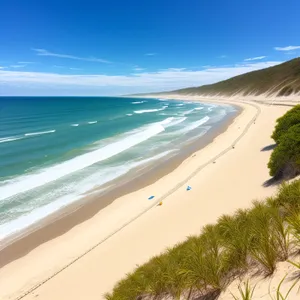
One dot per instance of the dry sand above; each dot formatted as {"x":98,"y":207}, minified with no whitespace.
{"x":233,"y":181}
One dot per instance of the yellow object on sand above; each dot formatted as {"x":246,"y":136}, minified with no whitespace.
{"x":160,"y":203}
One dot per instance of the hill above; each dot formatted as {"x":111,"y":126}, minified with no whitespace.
{"x":280,"y":80}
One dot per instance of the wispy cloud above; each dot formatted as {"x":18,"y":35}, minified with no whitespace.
{"x":287,"y":48}
{"x":138,"y":69}
{"x":173,"y":69}
{"x":25,"y":62}
{"x":17,"y":66}
{"x":223,"y":56}
{"x":254,"y":58}
{"x":75,"y":69}
{"x":161,"y":80}
{"x":150,"y":54}
{"x":43,"y":52}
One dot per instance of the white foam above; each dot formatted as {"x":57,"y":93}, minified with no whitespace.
{"x":89,"y":183}
{"x":39,"y":133}
{"x":177,"y":121}
{"x":188,"y":112}
{"x":26,"y":183}
{"x":218,"y":115}
{"x":180,"y":104}
{"x":129,"y":115}
{"x":149,"y":110}
{"x":199,"y":108}
{"x":194,"y":125}
{"x":75,"y":125}
{"x":92,"y":122}
{"x":9,"y":139}
{"x":138,"y":102}
{"x":167,"y":121}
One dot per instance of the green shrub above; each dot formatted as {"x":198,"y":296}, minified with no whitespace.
{"x":285,"y":159}
{"x":284,"y":123}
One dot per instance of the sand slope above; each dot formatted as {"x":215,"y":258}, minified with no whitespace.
{"x":232,"y":182}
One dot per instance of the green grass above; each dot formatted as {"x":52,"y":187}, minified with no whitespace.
{"x":246,"y":292}
{"x":278,"y":294}
{"x":254,"y":239}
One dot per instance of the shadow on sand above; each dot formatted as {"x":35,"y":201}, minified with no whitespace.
{"x":273,"y":181}
{"x":268,"y":148}
{"x":209,"y":296}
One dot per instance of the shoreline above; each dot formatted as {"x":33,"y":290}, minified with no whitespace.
{"x":60,"y":222}
{"x":86,"y":268}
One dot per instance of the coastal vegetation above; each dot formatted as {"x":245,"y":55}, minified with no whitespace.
{"x":284,"y":123}
{"x":251,"y":240}
{"x":285,"y":159}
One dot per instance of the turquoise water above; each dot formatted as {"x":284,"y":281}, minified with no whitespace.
{"x":53,"y":151}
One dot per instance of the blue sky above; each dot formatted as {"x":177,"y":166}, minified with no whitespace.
{"x":111,"y":47}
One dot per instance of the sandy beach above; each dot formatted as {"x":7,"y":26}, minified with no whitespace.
{"x":86,"y":261}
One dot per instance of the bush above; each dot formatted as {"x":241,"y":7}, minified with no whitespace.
{"x":291,"y":118}
{"x":285,"y":159}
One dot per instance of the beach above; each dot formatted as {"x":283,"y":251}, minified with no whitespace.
{"x":86,"y":261}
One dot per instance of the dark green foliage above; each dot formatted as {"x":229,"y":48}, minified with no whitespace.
{"x":255,"y":238}
{"x":291,"y":118}
{"x":285,"y":159}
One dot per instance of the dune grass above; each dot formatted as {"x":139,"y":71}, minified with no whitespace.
{"x":254,"y":239}
{"x":245,"y":291}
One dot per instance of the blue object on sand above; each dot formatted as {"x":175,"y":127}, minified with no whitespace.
{"x":151,"y":197}
{"x":188,"y":188}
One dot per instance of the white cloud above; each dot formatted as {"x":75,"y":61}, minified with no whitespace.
{"x":150,"y":54}
{"x":173,"y":69}
{"x":254,"y":58}
{"x":17,"y":66}
{"x":25,"y":62}
{"x":288,"y":48}
{"x":75,"y":69}
{"x":43,"y":52}
{"x":144,"y":81}
{"x":138,"y":69}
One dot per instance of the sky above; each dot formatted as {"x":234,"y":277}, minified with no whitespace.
{"x":117,"y":47}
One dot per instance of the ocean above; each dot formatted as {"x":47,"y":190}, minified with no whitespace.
{"x":56,"y":150}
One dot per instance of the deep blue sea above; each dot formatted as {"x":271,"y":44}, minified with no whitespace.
{"x":54,"y":150}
